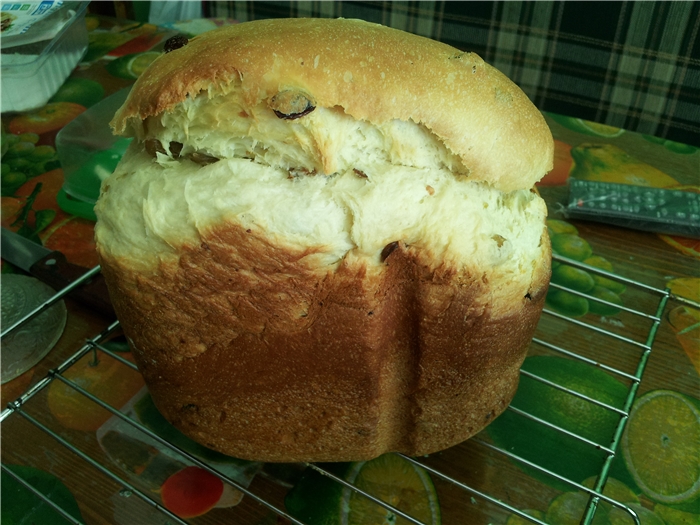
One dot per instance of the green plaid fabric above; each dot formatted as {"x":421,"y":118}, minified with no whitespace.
{"x":632,"y":64}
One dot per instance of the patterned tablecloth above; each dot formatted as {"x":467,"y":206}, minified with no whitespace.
{"x":657,"y":463}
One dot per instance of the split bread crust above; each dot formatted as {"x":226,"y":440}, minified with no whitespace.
{"x":323,"y":242}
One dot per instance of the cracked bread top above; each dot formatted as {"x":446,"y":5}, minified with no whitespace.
{"x":370,"y":72}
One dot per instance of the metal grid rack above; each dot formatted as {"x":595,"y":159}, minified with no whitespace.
{"x":648,"y":312}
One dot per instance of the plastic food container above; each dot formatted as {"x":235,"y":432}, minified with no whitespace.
{"x":89,"y":152}
{"x":32,"y":72}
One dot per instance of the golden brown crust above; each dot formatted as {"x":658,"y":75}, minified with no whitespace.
{"x":252,"y":345}
{"x":375,"y":74}
{"x":247,"y":351}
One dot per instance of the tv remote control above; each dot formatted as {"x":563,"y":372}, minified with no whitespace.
{"x":660,"y":210}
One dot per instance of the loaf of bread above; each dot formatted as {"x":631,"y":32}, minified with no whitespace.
{"x":323,"y":243}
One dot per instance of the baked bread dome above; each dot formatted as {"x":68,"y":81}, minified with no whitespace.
{"x":324,"y":243}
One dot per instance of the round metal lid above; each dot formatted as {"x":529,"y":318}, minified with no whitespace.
{"x":27,"y":345}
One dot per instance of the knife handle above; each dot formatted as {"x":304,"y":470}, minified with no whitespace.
{"x":58,"y":273}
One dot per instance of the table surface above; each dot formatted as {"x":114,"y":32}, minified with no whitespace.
{"x":657,"y":350}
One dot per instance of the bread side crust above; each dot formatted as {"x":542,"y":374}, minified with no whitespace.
{"x":249,"y":352}
{"x":374,"y":74}
{"x":247,"y":342}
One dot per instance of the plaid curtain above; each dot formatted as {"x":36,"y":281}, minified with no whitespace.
{"x":634,"y":65}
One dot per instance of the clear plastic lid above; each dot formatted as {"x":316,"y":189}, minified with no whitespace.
{"x":30,"y":34}
{"x":88,"y":150}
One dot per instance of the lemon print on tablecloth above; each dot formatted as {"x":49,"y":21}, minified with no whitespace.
{"x":600,"y":130}
{"x":319,"y":500}
{"x":661,"y":448}
{"x":619,"y":516}
{"x":621,"y":493}
{"x":685,"y":320}
{"x":672,"y":145}
{"x":568,"y":509}
{"x":587,"y":127}
{"x":548,"y":447}
{"x":614,"y":489}
{"x":514,"y":519}
{"x":131,"y":66}
{"x":673,"y":516}
{"x":609,"y":163}
{"x":679,"y":147}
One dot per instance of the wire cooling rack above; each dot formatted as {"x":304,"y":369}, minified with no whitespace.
{"x":630,"y":335}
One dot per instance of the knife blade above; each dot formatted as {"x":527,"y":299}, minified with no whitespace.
{"x":52,"y":268}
